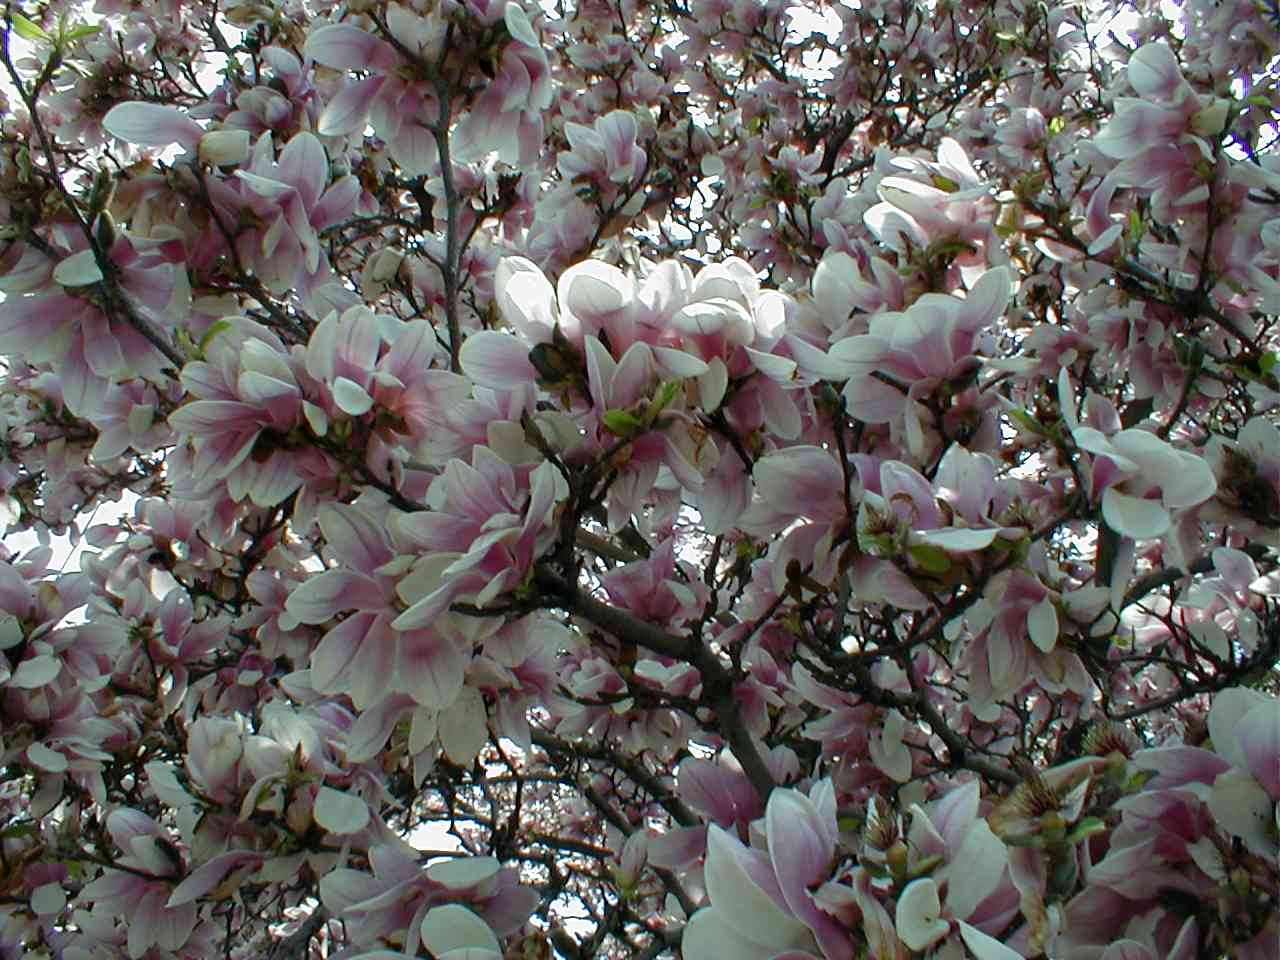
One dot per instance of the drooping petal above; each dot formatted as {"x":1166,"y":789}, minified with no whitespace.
{"x":977,"y":869}
{"x":464,"y":727}
{"x":431,"y":667}
{"x":340,"y":812}
{"x":1133,"y":516}
{"x":320,"y":598}
{"x":1042,"y":624}
{"x":152,"y":125}
{"x":373,"y":727}
{"x":1243,"y":809}
{"x":463,"y":873}
{"x":349,"y":110}
{"x":1259,"y":738}
{"x":347,"y":47}
{"x":1229,"y":709}
{"x":351,"y":398}
{"x":711,"y":935}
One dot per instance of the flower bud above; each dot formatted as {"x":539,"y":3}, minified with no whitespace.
{"x":224,"y":148}
{"x":1210,"y":121}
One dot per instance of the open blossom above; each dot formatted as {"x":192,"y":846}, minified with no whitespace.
{"x":455,"y":908}
{"x":1162,"y":138}
{"x":53,"y":313}
{"x":365,"y":654}
{"x":907,"y":355}
{"x":608,"y":149}
{"x":248,"y":401}
{"x":141,"y":893}
{"x":398,"y":107}
{"x":290,"y":200}
{"x":916,"y":211}
{"x":507,"y":116}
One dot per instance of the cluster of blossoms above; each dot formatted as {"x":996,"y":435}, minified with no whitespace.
{"x":484,"y":479}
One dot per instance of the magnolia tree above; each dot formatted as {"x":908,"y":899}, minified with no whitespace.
{"x":701,"y":479}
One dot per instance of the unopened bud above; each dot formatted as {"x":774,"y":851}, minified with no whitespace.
{"x":1211,"y":120}
{"x":897,"y":857}
{"x":379,"y":270}
{"x":224,"y":148}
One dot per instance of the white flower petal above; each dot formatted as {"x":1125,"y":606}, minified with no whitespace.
{"x":78,"y":270}
{"x":36,"y":672}
{"x":351,"y":398}
{"x":958,"y":539}
{"x":1133,"y":516}
{"x":463,"y":872}
{"x":1243,"y":809}
{"x":976,"y":869}
{"x":740,"y":901}
{"x":918,"y":916}
{"x":48,"y":900}
{"x":46,"y":759}
{"x":1042,"y":625}
{"x":454,"y":927}
{"x":984,"y":947}
{"x":464,"y":727}
{"x":340,"y":812}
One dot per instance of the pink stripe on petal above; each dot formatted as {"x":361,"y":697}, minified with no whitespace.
{"x":345,"y":47}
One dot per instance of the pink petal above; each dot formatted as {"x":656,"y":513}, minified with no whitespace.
{"x":348,"y":111}
{"x":373,"y":727}
{"x":496,"y":360}
{"x":1259,"y":737}
{"x":431,"y":668}
{"x":321,"y":597}
{"x":801,"y":849}
{"x":204,"y":878}
{"x":345,"y":47}
{"x":356,"y":538}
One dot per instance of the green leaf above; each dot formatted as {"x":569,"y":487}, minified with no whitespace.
{"x":84,"y":30}
{"x":1086,"y":828}
{"x":929,"y":558}
{"x":925,"y":866}
{"x":622,"y":423}
{"x":1022,"y":840}
{"x":216,"y":329}
{"x":28,"y":29}
{"x":662,"y":399}
{"x":1028,"y":421}
{"x":1136,"y":226}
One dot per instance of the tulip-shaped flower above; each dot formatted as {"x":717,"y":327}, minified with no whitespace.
{"x":762,"y":907}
